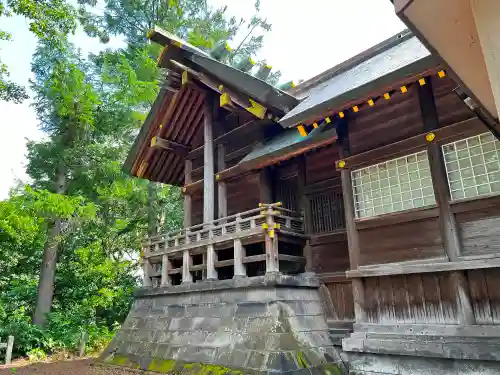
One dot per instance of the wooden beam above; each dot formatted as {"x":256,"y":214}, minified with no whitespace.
{"x":208,"y":164}
{"x":229,"y":98}
{"x":165,"y":144}
{"x":225,"y":138}
{"x":449,"y":226}
{"x":443,"y":135}
{"x":188,"y":200}
{"x":221,"y":185}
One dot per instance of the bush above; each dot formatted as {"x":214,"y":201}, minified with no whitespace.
{"x":36,"y":355}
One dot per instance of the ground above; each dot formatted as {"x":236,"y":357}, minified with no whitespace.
{"x":75,"y":367}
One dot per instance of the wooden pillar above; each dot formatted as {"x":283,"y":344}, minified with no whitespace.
{"x":351,"y":230}
{"x":208,"y":164}
{"x":186,"y":264}
{"x":221,"y":185}
{"x":188,"y":200}
{"x":271,"y":244}
{"x":463,"y":300}
{"x":165,"y":267}
{"x":239,"y":253}
{"x":211,"y":259}
{"x":449,"y":226}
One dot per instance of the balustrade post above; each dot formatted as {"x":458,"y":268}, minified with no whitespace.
{"x":271,"y":244}
{"x":146,"y":265}
{"x":146,"y":269}
{"x":186,"y":264}
{"x":211,"y":258}
{"x":239,"y":252}
{"x":165,"y":267}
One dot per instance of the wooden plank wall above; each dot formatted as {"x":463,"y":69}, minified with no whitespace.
{"x":342,"y":305}
{"x":329,"y":250}
{"x":387,"y":122}
{"x":407,"y":299}
{"x":484,"y":287}
{"x":320,"y":165}
{"x":243,"y":193}
{"x":413,"y":240}
{"x":329,"y":253}
{"x":450,"y":108}
{"x":480,"y":231}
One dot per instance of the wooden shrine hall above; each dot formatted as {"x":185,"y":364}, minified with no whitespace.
{"x":374,"y":180}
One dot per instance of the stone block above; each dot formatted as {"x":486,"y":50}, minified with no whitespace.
{"x":236,"y":358}
{"x":302,"y":323}
{"x":256,"y":360}
{"x":162,"y":323}
{"x":254,"y":309}
{"x":318,"y":338}
{"x":175,"y":311}
{"x":198,"y":354}
{"x":162,"y":351}
{"x":282,"y":341}
{"x":281,"y":361}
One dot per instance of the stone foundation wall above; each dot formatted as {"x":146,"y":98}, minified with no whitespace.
{"x":269,"y":324}
{"x":380,"y":364}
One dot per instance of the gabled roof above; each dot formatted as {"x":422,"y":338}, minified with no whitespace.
{"x":256,"y":88}
{"x":390,"y":61}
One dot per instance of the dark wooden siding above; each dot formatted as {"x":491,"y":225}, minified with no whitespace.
{"x":484,"y":286}
{"x":387,"y":122}
{"x":450,"y":108}
{"x":480,"y":231}
{"x":320,"y":165}
{"x":243,"y":193}
{"x":401,"y":242}
{"x":404,"y":299}
{"x":329,"y":253}
{"x":197,"y":209}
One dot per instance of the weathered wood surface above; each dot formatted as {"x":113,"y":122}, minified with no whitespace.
{"x":408,"y":299}
{"x":209,"y":165}
{"x":8,"y":346}
{"x":440,"y":264}
{"x":401,"y":242}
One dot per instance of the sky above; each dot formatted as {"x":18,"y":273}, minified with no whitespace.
{"x":306,"y":39}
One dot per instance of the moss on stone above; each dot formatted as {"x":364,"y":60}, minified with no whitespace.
{"x":208,"y":369}
{"x":118,"y":360}
{"x":302,"y":360}
{"x":162,"y":365}
{"x":332,"y":369}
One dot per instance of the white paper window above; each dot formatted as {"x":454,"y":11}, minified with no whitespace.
{"x":396,"y":185}
{"x":473,"y":166}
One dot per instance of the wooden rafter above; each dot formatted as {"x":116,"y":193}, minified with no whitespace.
{"x":165,"y":144}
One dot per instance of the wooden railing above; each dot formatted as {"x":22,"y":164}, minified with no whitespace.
{"x":262,"y":223}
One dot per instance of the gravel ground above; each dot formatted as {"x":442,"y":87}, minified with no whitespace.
{"x":76,"y":367}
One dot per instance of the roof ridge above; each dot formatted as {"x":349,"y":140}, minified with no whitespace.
{"x":361,"y":57}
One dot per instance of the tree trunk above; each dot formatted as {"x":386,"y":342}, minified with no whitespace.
{"x":49,"y":262}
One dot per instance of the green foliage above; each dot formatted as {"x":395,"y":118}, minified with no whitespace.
{"x":47,"y":19}
{"x":90,"y":109}
{"x":36,"y":355}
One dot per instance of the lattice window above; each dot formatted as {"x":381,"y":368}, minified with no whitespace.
{"x":473,"y":166}
{"x":327,"y":212}
{"x":396,"y":185}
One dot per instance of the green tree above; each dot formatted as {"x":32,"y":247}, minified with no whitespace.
{"x":46,"y":19}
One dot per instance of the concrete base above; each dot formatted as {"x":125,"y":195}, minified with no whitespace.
{"x":379,"y":364}
{"x":260,"y":325}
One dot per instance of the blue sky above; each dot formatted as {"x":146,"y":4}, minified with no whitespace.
{"x":306,"y":39}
